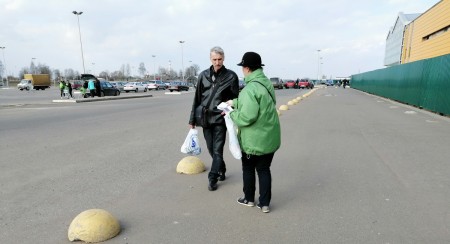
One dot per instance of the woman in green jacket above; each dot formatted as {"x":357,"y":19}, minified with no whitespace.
{"x":259,"y":135}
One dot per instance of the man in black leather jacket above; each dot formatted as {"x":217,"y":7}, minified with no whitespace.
{"x":215,"y":133}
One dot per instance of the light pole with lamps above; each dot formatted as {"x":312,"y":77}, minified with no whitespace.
{"x":182,"y":62}
{"x":4,"y":65}
{"x":191,"y":69}
{"x":79,"y":31}
{"x":154,"y":67}
{"x":33,"y":66}
{"x":318,"y":65}
{"x":170,"y":69}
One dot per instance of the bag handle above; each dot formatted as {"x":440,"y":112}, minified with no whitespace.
{"x":267,"y":91}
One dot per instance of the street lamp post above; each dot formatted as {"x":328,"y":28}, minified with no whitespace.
{"x":170,"y":68}
{"x":33,"y":66}
{"x":79,"y":31}
{"x":182,"y":63}
{"x":191,"y":69}
{"x":321,"y":67}
{"x":154,"y":67}
{"x":318,"y":65}
{"x":4,"y":65}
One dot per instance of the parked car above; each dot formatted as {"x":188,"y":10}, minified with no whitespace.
{"x":106,"y":90}
{"x":145,"y":83}
{"x":178,"y":86}
{"x":76,"y":84}
{"x":330,"y":82}
{"x":134,"y":86}
{"x":156,"y":85}
{"x":289,"y":84}
{"x":277,"y":82}
{"x":118,"y":84}
{"x":304,"y":83}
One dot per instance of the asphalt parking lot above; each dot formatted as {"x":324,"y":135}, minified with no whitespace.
{"x":352,"y":168}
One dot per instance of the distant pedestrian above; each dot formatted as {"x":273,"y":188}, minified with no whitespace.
{"x":84,"y":88}
{"x":98,"y":88}
{"x":345,"y":83}
{"x":69,"y":86}
{"x":91,"y":87}
{"x":62,"y":86}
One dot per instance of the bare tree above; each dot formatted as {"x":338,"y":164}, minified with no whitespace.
{"x":117,"y":75}
{"x":2,"y":69}
{"x":104,"y":74}
{"x":32,"y":67}
{"x":142,"y":69}
{"x":69,"y":74}
{"x":128,"y":71}
{"x":56,"y":73}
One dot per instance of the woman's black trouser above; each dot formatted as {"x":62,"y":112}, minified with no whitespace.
{"x":215,"y":140}
{"x":261,"y":164}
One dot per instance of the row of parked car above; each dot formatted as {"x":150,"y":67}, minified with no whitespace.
{"x":144,"y":86}
{"x":114,"y":88}
{"x":133,"y":86}
{"x":279,"y":83}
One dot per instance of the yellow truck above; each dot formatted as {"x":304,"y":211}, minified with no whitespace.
{"x":37,"y":82}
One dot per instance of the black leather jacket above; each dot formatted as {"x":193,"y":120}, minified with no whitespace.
{"x":228,"y":83}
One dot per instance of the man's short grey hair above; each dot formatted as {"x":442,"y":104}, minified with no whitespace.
{"x":218,"y":50}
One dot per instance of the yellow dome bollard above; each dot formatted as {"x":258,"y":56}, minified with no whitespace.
{"x":93,"y":225}
{"x":284,"y":107}
{"x":290,"y":103}
{"x":279,"y":113}
{"x":299,"y":98}
{"x":190,"y":165}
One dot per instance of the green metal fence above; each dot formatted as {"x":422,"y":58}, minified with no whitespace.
{"x":424,"y":83}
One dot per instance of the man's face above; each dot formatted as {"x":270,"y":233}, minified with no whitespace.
{"x":216,"y":60}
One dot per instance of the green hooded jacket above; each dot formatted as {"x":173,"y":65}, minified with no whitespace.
{"x":256,"y":116}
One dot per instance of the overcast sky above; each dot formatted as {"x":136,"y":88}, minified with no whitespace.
{"x":351,"y":34}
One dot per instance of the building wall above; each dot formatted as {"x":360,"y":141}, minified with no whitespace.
{"x":429,"y":35}
{"x":394,"y":45}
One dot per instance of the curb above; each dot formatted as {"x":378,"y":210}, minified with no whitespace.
{"x":98,"y":99}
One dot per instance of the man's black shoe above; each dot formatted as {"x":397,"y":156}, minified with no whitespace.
{"x":222,"y":176}
{"x":212,"y":186}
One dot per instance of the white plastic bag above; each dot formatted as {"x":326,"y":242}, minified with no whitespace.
{"x":191,"y":145}
{"x":233,"y":142}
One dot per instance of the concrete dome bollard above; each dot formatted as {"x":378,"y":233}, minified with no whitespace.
{"x":93,"y":225}
{"x":190,"y":165}
{"x":284,"y":107}
{"x":290,"y":103}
